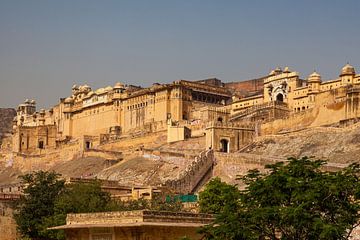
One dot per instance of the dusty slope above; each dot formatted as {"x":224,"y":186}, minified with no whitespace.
{"x":340,"y":145}
{"x":9,"y":175}
{"x":82,"y":167}
{"x":85,"y":167}
{"x":145,"y":170}
{"x":136,"y":167}
{"x":149,"y":169}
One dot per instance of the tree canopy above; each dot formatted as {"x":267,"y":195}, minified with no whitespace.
{"x":76,"y":198}
{"x":37,"y":203}
{"x":47,"y":201}
{"x":217,"y":195}
{"x":292,"y":200}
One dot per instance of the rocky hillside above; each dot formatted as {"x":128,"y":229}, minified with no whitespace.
{"x":6,"y":117}
{"x":149,"y":160}
{"x":340,"y":145}
{"x":145,"y":170}
{"x":160,"y":161}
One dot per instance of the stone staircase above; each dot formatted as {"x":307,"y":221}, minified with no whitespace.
{"x":195,"y":174}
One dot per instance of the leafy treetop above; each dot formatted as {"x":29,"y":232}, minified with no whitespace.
{"x":293,"y":200}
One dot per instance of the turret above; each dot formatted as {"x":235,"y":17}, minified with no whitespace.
{"x":314,"y":81}
{"x":119,"y":88}
{"x":347,"y":74}
{"x":27,"y":108}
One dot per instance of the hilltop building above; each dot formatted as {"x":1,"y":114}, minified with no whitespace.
{"x":230,"y":114}
{"x":112,"y":111}
{"x":285,"y":88}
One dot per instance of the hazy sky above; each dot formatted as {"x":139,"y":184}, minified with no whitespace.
{"x":47,"y":46}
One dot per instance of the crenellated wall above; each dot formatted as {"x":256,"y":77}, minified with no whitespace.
{"x":137,"y":216}
{"x":188,"y":181}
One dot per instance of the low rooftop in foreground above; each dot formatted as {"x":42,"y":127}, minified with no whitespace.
{"x":135,"y":218}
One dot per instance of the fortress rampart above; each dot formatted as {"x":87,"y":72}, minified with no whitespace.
{"x":189,"y":180}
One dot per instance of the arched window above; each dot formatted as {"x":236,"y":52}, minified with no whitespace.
{"x":280,"y":97}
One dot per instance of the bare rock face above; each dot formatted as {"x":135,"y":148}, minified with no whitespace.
{"x":6,"y":117}
{"x":337,"y":145}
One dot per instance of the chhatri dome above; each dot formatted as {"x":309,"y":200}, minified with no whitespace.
{"x":314,"y":77}
{"x":347,"y":70}
{"x":286,"y":70}
{"x":118,"y":85}
{"x":69,"y":100}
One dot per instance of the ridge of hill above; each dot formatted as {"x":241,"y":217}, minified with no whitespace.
{"x":334,"y":144}
{"x":6,"y":117}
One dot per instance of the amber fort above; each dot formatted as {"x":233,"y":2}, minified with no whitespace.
{"x":229,"y":114}
{"x":174,"y":137}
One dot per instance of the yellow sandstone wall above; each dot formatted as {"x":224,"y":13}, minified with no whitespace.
{"x":95,"y":120}
{"x":140,"y":233}
{"x":329,"y":108}
{"x":7,"y":223}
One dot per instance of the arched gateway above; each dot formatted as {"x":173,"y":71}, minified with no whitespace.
{"x":224,"y":145}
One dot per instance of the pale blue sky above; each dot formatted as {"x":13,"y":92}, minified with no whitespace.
{"x":46,"y":46}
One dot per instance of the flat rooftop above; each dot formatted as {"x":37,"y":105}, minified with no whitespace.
{"x":135,"y":218}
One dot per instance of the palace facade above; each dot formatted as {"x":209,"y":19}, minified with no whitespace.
{"x":285,"y":93}
{"x":238,"y":107}
{"x":112,"y":111}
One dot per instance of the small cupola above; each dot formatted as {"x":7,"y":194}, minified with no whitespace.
{"x":347,"y":70}
{"x":314,"y":77}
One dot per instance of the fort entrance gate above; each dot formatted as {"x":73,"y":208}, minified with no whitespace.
{"x":228,"y":137}
{"x":224,"y":145}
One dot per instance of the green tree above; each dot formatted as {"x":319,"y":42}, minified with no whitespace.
{"x":158,"y":203}
{"x":76,"y":198}
{"x":47,"y":200}
{"x":217,"y":195}
{"x":295,"y":200}
{"x":37,"y":203}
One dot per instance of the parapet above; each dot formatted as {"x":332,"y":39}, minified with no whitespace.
{"x":238,"y":125}
{"x":189,"y":179}
{"x":136,"y":218}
